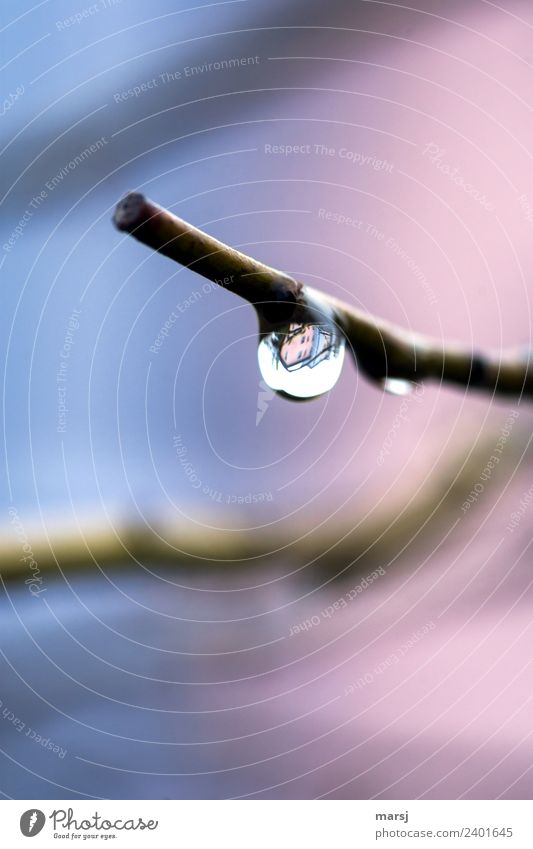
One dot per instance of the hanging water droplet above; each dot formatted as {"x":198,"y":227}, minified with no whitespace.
{"x":397,"y":386}
{"x":302,"y":360}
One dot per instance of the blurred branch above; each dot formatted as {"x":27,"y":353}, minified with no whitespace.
{"x":382,"y":350}
{"x":388,"y":536}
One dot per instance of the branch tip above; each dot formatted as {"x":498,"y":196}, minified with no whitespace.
{"x":129,"y":211}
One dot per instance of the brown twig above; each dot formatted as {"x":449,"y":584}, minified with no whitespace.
{"x":382,"y":350}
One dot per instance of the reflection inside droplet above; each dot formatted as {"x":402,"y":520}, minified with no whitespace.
{"x":302,"y":360}
{"x":397,"y":386}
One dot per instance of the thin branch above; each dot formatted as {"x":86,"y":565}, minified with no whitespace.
{"x":361,"y":543}
{"x":382,"y":350}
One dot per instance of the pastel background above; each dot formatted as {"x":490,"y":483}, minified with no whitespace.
{"x":189,"y":675}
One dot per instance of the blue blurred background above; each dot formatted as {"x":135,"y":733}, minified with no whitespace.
{"x":196,"y":616}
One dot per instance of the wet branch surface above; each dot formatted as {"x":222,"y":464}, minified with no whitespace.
{"x":381,"y":350}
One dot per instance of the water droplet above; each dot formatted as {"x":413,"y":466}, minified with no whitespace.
{"x":302,"y":360}
{"x":397,"y":386}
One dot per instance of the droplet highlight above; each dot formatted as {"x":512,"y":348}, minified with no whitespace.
{"x":397,"y":386}
{"x":302,"y":360}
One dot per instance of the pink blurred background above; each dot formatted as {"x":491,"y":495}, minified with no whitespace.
{"x":172,"y":682}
